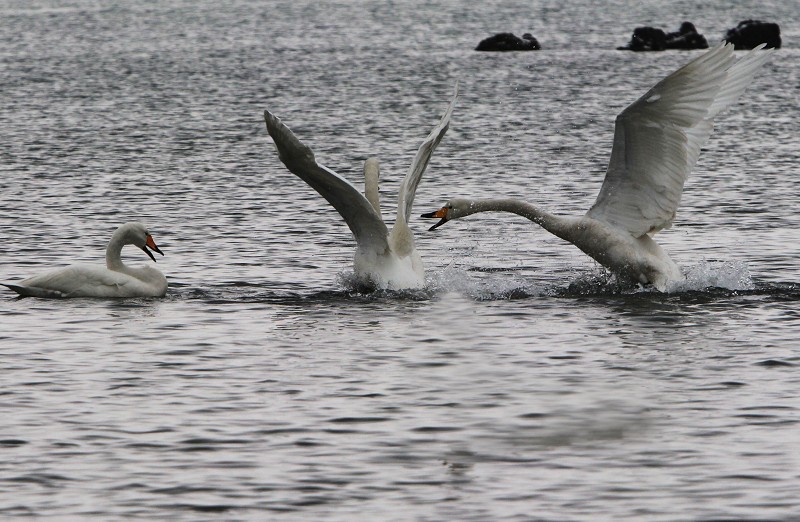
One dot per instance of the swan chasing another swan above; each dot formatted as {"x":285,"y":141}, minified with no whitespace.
{"x":657,"y":140}
{"x":384,"y":260}
{"x":116,"y":280}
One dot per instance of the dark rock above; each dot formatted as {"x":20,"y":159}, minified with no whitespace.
{"x":509,"y":42}
{"x":752,"y":33}
{"x":646,"y":39}
{"x":654,"y":39}
{"x":686,"y":38}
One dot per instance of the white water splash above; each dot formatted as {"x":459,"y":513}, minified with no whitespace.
{"x":730,"y":275}
{"x":482,"y":285}
{"x":506,"y":284}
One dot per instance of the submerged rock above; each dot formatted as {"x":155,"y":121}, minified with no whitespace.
{"x":751,"y":33}
{"x":509,"y":42}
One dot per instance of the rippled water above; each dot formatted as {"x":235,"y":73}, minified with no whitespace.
{"x":521,"y":383}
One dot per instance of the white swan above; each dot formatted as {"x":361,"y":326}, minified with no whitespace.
{"x":117,"y":280}
{"x":657,"y":140}
{"x":384,"y":260}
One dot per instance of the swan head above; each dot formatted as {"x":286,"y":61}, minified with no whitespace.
{"x":135,"y":233}
{"x":453,"y":209}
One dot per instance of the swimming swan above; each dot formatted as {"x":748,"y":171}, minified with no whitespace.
{"x":657,"y":140}
{"x":383,"y":259}
{"x":117,"y":280}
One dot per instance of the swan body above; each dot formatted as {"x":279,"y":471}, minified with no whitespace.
{"x":657,"y":141}
{"x":116,"y":280}
{"x":384,"y":259}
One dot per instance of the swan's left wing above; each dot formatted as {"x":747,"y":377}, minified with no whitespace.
{"x":410,"y":183}
{"x":32,"y":291}
{"x":83,"y":281}
{"x":658,"y":138}
{"x":365,"y":223}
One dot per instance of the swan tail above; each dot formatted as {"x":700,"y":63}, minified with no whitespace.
{"x":32,"y":291}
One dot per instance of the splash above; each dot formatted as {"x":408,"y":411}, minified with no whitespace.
{"x":354,"y":286}
{"x":730,"y":275}
{"x":508,"y":284}
{"x":483,"y":286}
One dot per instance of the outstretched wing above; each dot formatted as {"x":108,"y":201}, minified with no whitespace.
{"x":408,"y":188}
{"x":658,"y":138}
{"x":365,"y":223}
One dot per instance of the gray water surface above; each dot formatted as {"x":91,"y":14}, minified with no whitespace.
{"x":521,"y":383}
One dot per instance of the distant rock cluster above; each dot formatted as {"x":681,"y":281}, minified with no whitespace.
{"x":747,"y":35}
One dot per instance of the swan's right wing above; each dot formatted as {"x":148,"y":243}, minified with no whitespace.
{"x":365,"y":223}
{"x":658,"y":138}
{"x":410,"y":183}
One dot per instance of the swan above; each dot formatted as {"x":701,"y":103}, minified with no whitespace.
{"x":657,"y":140}
{"x":116,"y":280}
{"x":384,"y":260}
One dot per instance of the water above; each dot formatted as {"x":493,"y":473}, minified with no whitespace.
{"x":522,"y":383}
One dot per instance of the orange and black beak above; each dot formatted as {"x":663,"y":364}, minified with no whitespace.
{"x":440,"y":214}
{"x":152,"y":244}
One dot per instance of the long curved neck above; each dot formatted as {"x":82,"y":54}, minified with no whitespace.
{"x":371,"y":177}
{"x":558,"y":225}
{"x":114,"y":252}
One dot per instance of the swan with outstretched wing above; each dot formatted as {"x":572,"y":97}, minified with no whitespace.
{"x":657,"y":141}
{"x":384,"y":259}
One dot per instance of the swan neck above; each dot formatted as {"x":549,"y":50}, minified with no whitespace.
{"x":114,"y":252}
{"x":521,"y":208}
{"x":371,"y":178}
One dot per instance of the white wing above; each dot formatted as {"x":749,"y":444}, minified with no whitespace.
{"x":658,"y":138}
{"x":366,"y":224}
{"x":82,"y":281}
{"x":408,"y":189}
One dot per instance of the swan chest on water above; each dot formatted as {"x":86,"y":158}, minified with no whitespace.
{"x":389,"y":271}
{"x":640,"y":259}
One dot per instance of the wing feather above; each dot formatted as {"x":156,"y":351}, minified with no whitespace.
{"x":364,"y":222}
{"x":658,"y":138}
{"x":80,"y":281}
{"x":408,"y":189}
